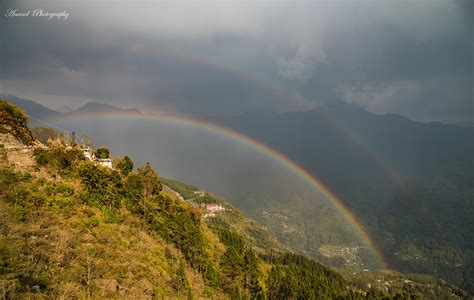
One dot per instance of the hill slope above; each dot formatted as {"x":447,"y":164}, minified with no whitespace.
{"x":421,"y":231}
{"x":72,"y":228}
{"x":101,"y":108}
{"x":32,"y":108}
{"x":409,"y":183}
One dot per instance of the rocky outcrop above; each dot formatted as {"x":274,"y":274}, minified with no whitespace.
{"x":16,"y":141}
{"x":13,"y":121}
{"x":10,"y":142}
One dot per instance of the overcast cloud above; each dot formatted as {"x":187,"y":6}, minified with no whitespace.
{"x":206,"y":58}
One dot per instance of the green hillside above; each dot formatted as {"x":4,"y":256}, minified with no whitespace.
{"x":410,"y":184}
{"x":71,"y":228}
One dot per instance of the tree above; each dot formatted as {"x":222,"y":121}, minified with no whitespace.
{"x":102,"y":185}
{"x":10,"y":112}
{"x":125,"y":166}
{"x":57,"y":156}
{"x":102,"y":152}
{"x":133,"y":187}
{"x":151,"y":183}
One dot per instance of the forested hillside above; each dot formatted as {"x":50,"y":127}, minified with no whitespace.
{"x":409,"y":183}
{"x":72,"y":228}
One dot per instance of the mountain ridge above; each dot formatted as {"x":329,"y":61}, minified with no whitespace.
{"x":56,"y":214}
{"x":95,"y":231}
{"x":99,"y":107}
{"x":391,"y":172}
{"x":431,"y":161}
{"x":39,"y":111}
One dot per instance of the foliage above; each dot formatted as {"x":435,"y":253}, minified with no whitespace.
{"x":181,"y":281}
{"x":206,"y":199}
{"x":103,"y":186}
{"x":125,"y":165}
{"x":417,"y":205}
{"x":236,"y":270}
{"x":240,"y":264}
{"x":58,"y":156}
{"x":185,"y":190}
{"x":95,"y":231}
{"x":151,"y":184}
{"x":11,"y":112}
{"x":297,"y":277}
{"x":133,"y":189}
{"x":179,"y":225}
{"x":13,"y":117}
{"x":102,"y":153}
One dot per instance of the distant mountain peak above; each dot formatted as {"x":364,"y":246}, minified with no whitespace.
{"x":99,"y":107}
{"x":96,"y":105}
{"x":340,"y":106}
{"x":65,"y":109}
{"x":32,"y":108}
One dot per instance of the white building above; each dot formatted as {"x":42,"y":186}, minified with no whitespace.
{"x":212,"y":209}
{"x":105,"y":162}
{"x":88,"y":153}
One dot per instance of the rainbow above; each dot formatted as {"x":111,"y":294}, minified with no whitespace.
{"x":257,"y":145}
{"x":300,"y":103}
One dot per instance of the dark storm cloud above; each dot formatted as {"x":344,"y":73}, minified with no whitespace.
{"x":425,"y":76}
{"x":194,"y":57}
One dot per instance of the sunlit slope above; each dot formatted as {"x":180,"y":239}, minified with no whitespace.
{"x":290,"y":207}
{"x":73,"y":228}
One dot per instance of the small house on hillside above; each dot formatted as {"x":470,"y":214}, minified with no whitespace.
{"x":88,"y":153}
{"x":105,"y":162}
{"x":214,"y":207}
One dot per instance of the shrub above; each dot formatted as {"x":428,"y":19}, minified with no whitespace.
{"x":110,"y":215}
{"x":181,"y":282}
{"x":20,"y":213}
{"x":16,"y":119}
{"x":9,"y":177}
{"x":151,"y":183}
{"x":102,"y":153}
{"x":65,"y":189}
{"x":64,"y":204}
{"x":58,"y":156}
{"x":125,"y":165}
{"x":13,"y":113}
{"x":102,"y":186}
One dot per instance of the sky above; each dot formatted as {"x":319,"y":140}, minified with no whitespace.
{"x":413,"y":58}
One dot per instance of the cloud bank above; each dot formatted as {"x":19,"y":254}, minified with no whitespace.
{"x":214,"y":58}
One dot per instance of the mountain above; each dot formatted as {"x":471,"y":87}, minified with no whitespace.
{"x":86,"y":230}
{"x":65,"y":109}
{"x":32,"y":108}
{"x":92,"y":231}
{"x":102,"y":108}
{"x":410,"y":184}
{"x":41,"y":112}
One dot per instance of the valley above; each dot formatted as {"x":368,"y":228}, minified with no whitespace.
{"x":88,"y":230}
